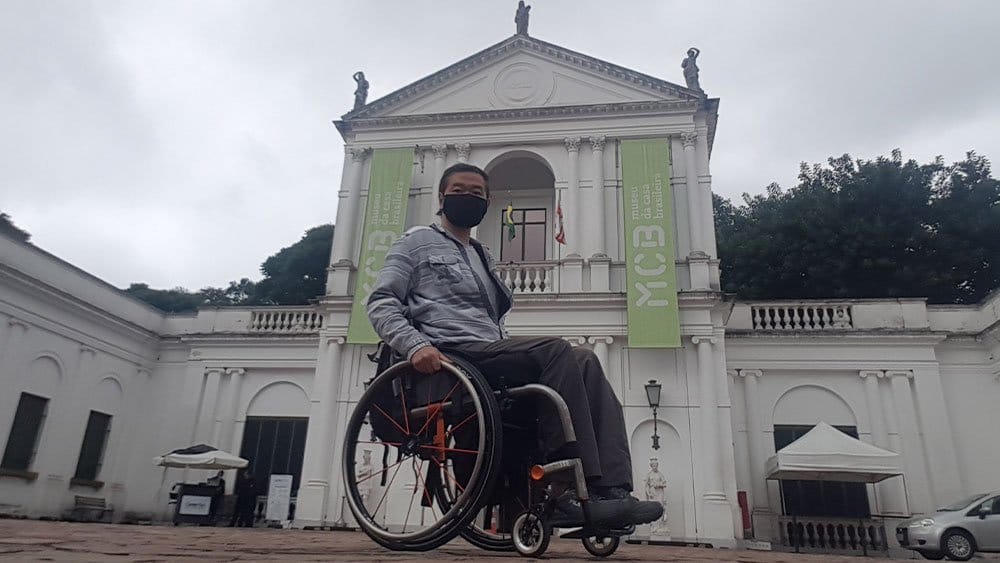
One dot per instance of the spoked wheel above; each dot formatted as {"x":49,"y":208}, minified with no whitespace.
{"x":414,"y":440}
{"x":484,"y":533}
{"x":531,"y":535}
{"x":601,"y":547}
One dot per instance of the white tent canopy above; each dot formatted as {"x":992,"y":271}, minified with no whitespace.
{"x":201,"y":457}
{"x":827,"y":454}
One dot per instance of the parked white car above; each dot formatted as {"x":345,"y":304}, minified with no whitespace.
{"x":956,"y":531}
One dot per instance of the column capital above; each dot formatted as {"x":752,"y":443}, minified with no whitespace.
{"x":463,"y":150}
{"x":689,"y":138}
{"x":336,"y":339}
{"x":601,"y":339}
{"x":734,"y":373}
{"x":749,"y":373}
{"x":572,"y":144}
{"x":575,"y":340}
{"x":865,"y":373}
{"x":707,"y":339}
{"x":236,"y":371}
{"x":214,"y":370}
{"x":358,"y":154}
{"x":440,"y":151}
{"x":597,"y":142}
{"x":908,"y":374}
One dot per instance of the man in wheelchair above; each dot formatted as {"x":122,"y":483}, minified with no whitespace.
{"x":437,"y":296}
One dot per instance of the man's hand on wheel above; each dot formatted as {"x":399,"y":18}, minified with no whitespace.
{"x":428,"y":360}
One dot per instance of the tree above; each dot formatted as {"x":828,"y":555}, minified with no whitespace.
{"x":867,"y":228}
{"x":296,"y":274}
{"x":177,"y":300}
{"x":8,"y":228}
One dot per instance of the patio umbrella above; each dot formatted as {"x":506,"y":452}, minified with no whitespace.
{"x":200,"y":457}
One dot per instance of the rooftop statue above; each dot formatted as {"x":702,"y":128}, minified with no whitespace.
{"x":690,"y":67}
{"x":521,"y":18}
{"x":361,"y":94}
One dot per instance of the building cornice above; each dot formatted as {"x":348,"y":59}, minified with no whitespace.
{"x":519,"y":114}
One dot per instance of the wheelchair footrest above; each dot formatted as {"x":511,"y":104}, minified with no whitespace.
{"x":598,"y":532}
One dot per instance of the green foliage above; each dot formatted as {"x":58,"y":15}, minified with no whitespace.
{"x":294,"y":275}
{"x":867,"y":228}
{"x":8,"y":228}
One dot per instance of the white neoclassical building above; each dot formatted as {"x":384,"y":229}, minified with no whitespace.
{"x":94,"y":384}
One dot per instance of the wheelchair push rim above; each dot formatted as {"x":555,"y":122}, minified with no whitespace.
{"x":422,"y":462}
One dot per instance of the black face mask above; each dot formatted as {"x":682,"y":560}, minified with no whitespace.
{"x":464,"y":210}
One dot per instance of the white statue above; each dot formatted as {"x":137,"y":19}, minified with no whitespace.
{"x":656,"y":490}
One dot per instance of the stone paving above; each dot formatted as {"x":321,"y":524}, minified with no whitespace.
{"x":32,"y":540}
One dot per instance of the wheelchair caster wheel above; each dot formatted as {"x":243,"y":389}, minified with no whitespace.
{"x":531,"y":535}
{"x":601,"y":547}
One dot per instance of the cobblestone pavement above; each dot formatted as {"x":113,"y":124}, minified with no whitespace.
{"x":32,"y":540}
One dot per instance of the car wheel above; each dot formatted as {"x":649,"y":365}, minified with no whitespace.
{"x":958,"y":545}
{"x":932,"y":555}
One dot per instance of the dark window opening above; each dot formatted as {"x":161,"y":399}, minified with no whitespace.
{"x":832,"y":499}
{"x":24,"y":433}
{"x":274,"y":446}
{"x":529,"y":242}
{"x":95,"y":439}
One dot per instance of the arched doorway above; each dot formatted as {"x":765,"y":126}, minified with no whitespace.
{"x":524,"y":181}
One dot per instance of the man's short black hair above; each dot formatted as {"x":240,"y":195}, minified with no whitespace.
{"x":463,"y":167}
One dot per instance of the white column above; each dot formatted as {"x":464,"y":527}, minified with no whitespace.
{"x":717,"y":516}
{"x":755,"y":433}
{"x":705,"y":201}
{"x":348,"y":222}
{"x":209,"y":405}
{"x":917,"y":485}
{"x":571,"y":203}
{"x":689,"y":139}
{"x":595,"y":203}
{"x":312,"y":500}
{"x":946,"y":479}
{"x":347,"y":215}
{"x":440,"y":153}
{"x":226,"y":416}
{"x":601,"y":344}
{"x":879,"y":435}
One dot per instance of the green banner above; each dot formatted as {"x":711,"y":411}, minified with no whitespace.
{"x":385,"y":219}
{"x":651,"y":276}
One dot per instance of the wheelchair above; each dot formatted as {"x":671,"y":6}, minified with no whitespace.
{"x":453,"y":457}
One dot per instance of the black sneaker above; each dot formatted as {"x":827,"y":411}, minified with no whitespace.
{"x":636,"y":511}
{"x":568,"y":511}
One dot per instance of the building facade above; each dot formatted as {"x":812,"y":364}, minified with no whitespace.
{"x":95,"y":384}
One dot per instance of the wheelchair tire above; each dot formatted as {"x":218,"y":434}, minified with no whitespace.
{"x":469,"y":404}
{"x":487,"y":539}
{"x":531,"y":534}
{"x":601,"y":547}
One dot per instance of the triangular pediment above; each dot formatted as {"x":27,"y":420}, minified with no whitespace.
{"x":523,"y":72}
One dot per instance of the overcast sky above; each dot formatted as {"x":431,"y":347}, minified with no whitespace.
{"x":180,"y":143}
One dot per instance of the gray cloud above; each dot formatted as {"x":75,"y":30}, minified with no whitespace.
{"x":180,"y":143}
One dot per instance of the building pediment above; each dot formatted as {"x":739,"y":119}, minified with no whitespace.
{"x":523,"y":73}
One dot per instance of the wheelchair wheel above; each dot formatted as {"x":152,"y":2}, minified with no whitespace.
{"x":487,"y":537}
{"x":531,"y":534}
{"x":601,"y":547}
{"x":414,"y":440}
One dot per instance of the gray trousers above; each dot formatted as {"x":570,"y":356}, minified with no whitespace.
{"x":576,"y":374}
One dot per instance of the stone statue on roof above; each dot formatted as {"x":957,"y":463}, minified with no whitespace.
{"x":361,"y":94}
{"x":690,"y":67}
{"x":521,"y":18}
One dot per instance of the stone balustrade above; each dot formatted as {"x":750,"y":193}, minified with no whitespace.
{"x":801,"y":316}
{"x":530,"y":277}
{"x":832,"y":535}
{"x":291,"y":320}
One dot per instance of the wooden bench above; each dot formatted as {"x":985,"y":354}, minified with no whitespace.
{"x":89,"y":509}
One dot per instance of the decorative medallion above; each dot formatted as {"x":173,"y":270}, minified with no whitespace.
{"x":522,"y":84}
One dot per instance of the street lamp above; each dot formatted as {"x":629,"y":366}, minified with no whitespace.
{"x":653,"y":397}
